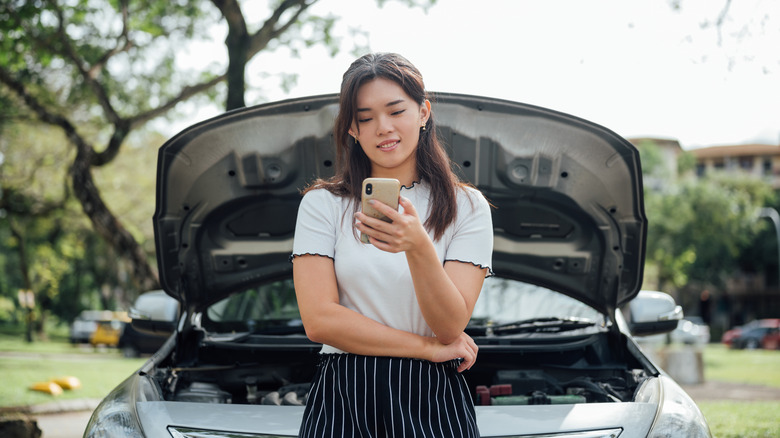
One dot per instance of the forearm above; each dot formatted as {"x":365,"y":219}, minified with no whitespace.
{"x":443,"y":305}
{"x":347,"y":330}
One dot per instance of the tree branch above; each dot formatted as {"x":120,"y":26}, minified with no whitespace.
{"x":32,"y":103}
{"x":186,"y":93}
{"x":269,"y":31}
{"x":70,"y":53}
{"x":721,"y":18}
{"x":95,"y":70}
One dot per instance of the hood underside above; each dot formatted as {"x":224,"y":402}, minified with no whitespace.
{"x":568,"y":195}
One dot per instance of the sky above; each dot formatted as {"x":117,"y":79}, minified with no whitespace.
{"x":642,"y":68}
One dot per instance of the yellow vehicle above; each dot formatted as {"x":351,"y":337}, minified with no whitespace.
{"x":108,"y":331}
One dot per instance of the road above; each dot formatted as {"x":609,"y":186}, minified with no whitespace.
{"x":63,"y":425}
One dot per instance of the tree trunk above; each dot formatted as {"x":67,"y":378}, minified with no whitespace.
{"x":25,"y":271}
{"x":105,"y":223}
{"x":237,"y":44}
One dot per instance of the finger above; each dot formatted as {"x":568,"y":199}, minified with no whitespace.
{"x":407,"y":206}
{"x":371,"y":223}
{"x":385,"y":209}
{"x":466,"y":363}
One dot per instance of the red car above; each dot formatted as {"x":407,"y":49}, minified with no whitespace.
{"x":731,"y":337}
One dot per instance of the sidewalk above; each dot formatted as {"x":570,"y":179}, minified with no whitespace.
{"x":57,"y":419}
{"x":54,"y":407}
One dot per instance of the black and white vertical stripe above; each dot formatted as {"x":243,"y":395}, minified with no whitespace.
{"x":365,"y":396}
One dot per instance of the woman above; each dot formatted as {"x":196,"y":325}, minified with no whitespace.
{"x":390,"y":314}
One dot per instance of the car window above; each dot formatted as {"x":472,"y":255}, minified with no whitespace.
{"x":267,"y":305}
{"x":504,"y":300}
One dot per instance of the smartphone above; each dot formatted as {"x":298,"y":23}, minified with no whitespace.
{"x":386,"y":190}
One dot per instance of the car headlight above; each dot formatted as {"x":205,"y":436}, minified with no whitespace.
{"x":677,"y":414}
{"x":116,"y":414}
{"x":182,"y":432}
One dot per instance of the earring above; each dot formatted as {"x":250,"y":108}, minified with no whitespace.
{"x":423,"y":126}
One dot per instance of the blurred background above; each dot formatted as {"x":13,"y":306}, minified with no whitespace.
{"x":90,"y":89}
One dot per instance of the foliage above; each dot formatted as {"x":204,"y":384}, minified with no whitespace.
{"x":76,"y":79}
{"x":69,"y":266}
{"x":699,"y":227}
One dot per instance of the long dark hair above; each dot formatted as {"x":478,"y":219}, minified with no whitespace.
{"x":352,"y":164}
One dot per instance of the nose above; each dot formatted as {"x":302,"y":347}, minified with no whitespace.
{"x":384,"y":125}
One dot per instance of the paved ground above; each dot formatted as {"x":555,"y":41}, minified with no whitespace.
{"x":713,"y":391}
{"x":63,"y":425}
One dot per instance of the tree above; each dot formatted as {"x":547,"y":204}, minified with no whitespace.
{"x":74,"y":66}
{"x":98,"y":70}
{"x":699,"y":229}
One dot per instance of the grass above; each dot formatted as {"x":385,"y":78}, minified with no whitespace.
{"x":22,"y":364}
{"x":734,"y":419}
{"x":759,"y":367}
{"x":728,"y":419}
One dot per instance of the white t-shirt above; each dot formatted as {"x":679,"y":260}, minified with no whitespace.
{"x":376,"y":283}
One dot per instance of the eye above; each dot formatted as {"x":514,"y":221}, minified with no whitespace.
{"x":398,"y":112}
{"x":363,"y":120}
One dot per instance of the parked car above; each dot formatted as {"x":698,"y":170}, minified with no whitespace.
{"x":733,"y":334}
{"x":556,"y":357}
{"x":86,"y":323}
{"x":154,"y":316}
{"x":107,"y":332}
{"x":771,"y":340}
{"x":691,"y":330}
{"x":756,"y":337}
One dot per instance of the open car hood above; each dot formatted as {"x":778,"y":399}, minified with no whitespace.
{"x":568,"y":195}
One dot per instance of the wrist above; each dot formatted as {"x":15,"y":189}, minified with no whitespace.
{"x":430,"y":346}
{"x":421,"y":248}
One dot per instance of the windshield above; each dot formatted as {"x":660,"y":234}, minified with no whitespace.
{"x":503,"y":301}
{"x":268,"y":306}
{"x":273,"y":309}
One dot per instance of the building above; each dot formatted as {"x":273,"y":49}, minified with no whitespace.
{"x":760,"y":160}
{"x":668,"y":155}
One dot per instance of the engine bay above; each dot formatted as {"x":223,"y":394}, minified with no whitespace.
{"x":277,"y":370}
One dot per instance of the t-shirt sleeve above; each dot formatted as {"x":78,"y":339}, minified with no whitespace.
{"x":316,"y":225}
{"x":472,"y":241}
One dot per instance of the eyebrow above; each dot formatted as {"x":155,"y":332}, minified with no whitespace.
{"x":389,"y":104}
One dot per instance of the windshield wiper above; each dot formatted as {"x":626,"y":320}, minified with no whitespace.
{"x":533,"y":325}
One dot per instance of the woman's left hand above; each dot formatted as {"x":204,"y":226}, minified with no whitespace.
{"x":402,"y":234}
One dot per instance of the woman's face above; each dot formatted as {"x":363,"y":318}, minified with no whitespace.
{"x":388,"y":128}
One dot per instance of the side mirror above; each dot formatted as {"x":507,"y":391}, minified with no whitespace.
{"x":151,"y":327}
{"x":653,"y":313}
{"x":146,"y":323}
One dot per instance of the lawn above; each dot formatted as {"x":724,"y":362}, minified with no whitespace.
{"x":760,"y":367}
{"x":22,"y":364}
{"x":733,"y":419}
{"x":729,"y":419}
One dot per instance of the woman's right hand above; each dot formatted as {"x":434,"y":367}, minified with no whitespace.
{"x":462,"y":348}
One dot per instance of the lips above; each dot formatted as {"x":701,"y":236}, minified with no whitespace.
{"x":388,"y":144}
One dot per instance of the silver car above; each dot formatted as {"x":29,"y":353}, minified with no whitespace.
{"x":556,"y":358}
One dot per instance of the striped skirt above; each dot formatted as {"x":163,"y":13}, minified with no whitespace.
{"x":366,"y":396}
